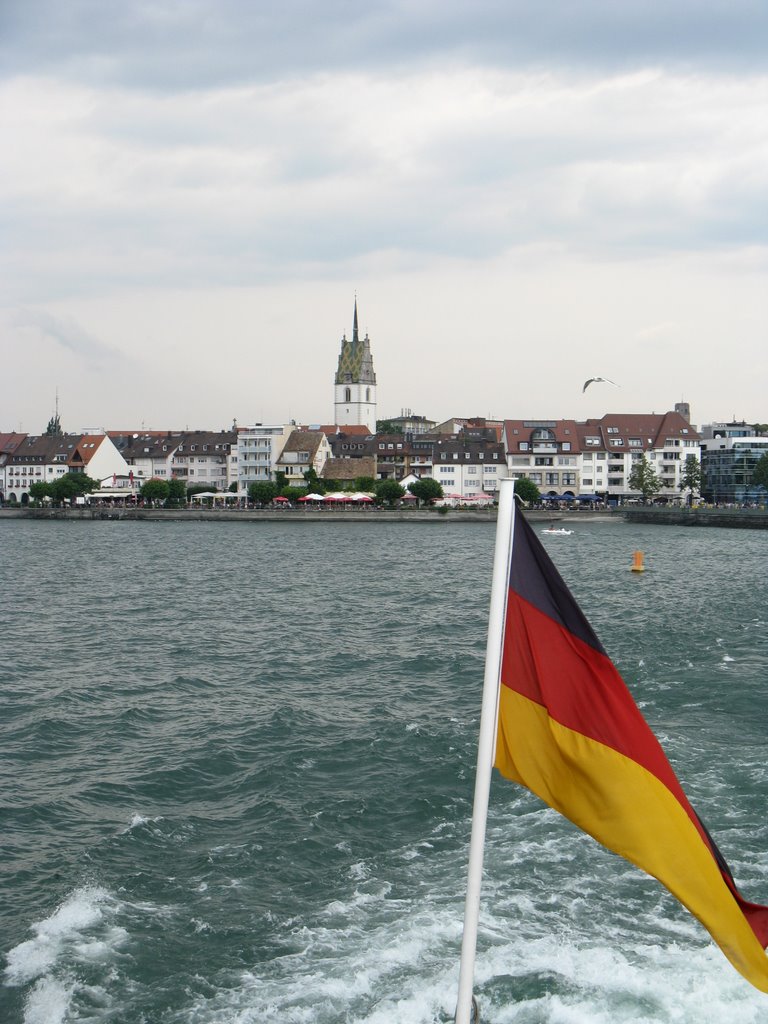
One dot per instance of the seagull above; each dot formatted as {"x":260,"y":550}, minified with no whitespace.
{"x":597,"y":380}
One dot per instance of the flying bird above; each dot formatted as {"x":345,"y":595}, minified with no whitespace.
{"x":598,"y":380}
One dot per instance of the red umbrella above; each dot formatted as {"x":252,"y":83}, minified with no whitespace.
{"x":280,"y":498}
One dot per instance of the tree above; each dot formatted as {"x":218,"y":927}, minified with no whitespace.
{"x":177,"y":493}
{"x":72,"y":485}
{"x":262,"y":492}
{"x":293,"y":493}
{"x":389,"y":491}
{"x":643,"y":478}
{"x":388,"y":427}
{"x":154,"y":490}
{"x":427,"y":490}
{"x":38,"y":491}
{"x":54,"y":427}
{"x":760,"y":428}
{"x":690,"y":477}
{"x":364,"y":483}
{"x":527,"y":491}
{"x":281,"y":479}
{"x":314,"y":484}
{"x":759,"y":474}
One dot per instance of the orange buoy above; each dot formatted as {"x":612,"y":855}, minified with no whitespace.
{"x":637,"y":562}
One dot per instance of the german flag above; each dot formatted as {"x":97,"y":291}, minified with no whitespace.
{"x":569,"y":730}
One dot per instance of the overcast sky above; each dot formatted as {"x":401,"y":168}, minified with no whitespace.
{"x":522,"y":193}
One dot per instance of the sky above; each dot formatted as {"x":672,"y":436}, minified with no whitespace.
{"x":521,"y":194}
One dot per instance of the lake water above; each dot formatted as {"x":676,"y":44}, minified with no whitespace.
{"x":236,"y":767}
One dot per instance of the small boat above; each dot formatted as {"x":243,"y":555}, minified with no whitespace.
{"x":561,"y":530}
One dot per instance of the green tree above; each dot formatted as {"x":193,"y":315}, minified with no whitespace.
{"x":527,"y":491}
{"x":262,"y":492}
{"x":54,"y":427}
{"x":759,"y":474}
{"x":364,"y":483}
{"x":293,"y":493}
{"x":389,"y":491}
{"x":643,"y":478}
{"x":281,"y":479}
{"x":427,"y":490}
{"x":154,"y":490}
{"x":72,"y":485}
{"x":38,"y":491}
{"x":388,"y":427}
{"x":177,"y":493}
{"x":760,"y":428}
{"x":313,"y":481}
{"x":690,"y":476}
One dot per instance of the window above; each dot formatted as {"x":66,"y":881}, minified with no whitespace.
{"x":594,"y":441}
{"x":612,"y":430}
{"x":523,"y":446}
{"x":635,"y":442}
{"x":566,"y":445}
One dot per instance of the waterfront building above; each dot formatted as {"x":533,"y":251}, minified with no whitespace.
{"x":596,"y":456}
{"x":206,"y":458}
{"x":354,"y":398}
{"x":467,"y":468}
{"x":303,"y":450}
{"x":611,"y":445}
{"x":547,"y":452}
{"x":44,"y":458}
{"x":148,"y":453}
{"x":727,"y":465}
{"x":9,"y":442}
{"x":259,"y":448}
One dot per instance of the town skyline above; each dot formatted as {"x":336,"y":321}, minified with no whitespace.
{"x":521,"y":199}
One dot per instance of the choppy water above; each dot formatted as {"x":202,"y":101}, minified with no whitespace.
{"x":237,"y":766}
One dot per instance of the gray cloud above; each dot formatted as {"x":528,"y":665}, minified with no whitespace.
{"x":167,"y":45}
{"x":67,"y":333}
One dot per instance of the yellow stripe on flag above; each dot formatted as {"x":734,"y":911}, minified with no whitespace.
{"x":628,"y":810}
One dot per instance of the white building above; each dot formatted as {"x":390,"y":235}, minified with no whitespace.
{"x":571,"y":458}
{"x":468,"y":468}
{"x":259,"y":448}
{"x":43,"y":459}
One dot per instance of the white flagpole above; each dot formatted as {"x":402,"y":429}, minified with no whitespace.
{"x":486,"y":744}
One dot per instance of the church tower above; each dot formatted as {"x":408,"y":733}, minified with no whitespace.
{"x":354,"y":398}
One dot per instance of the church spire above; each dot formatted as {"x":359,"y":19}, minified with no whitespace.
{"x":355,"y":336}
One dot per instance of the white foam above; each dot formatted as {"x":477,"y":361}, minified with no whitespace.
{"x":48,"y":1002}
{"x":138,"y":820}
{"x":31,"y":959}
